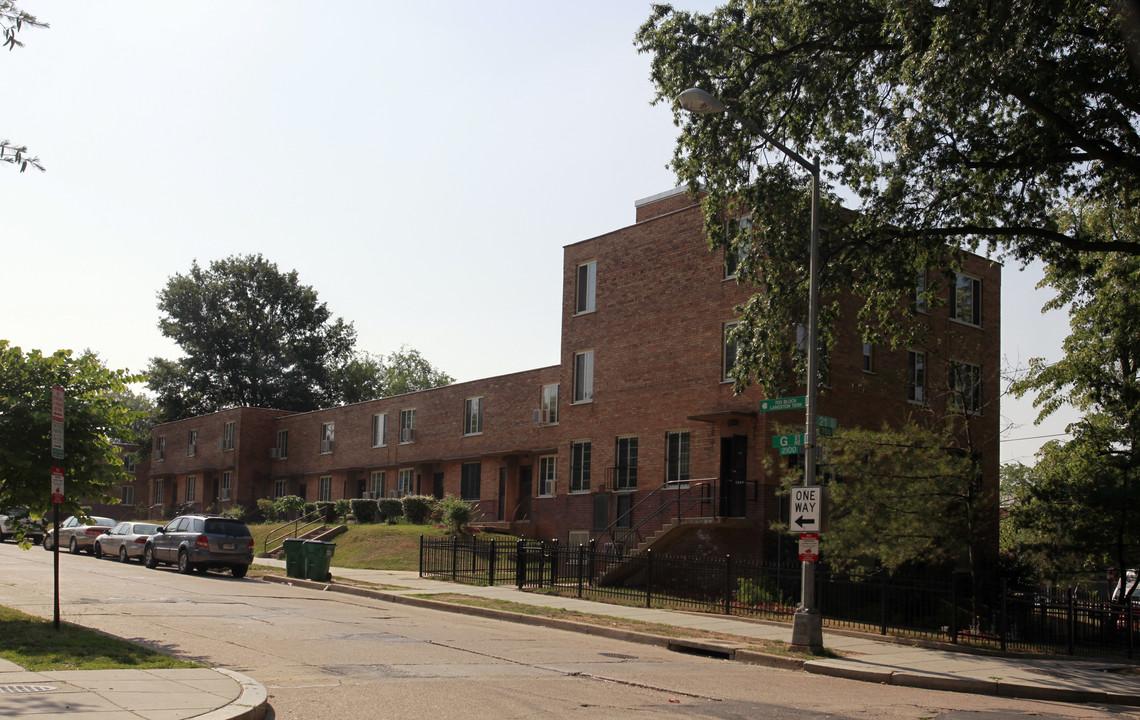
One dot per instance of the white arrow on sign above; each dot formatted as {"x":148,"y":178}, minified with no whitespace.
{"x":805,"y":508}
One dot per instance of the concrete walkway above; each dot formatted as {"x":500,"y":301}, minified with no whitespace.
{"x":865,"y":658}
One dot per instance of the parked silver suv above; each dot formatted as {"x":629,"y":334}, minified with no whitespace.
{"x":201,"y":542}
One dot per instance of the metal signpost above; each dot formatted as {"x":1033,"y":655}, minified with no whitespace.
{"x":57,"y":403}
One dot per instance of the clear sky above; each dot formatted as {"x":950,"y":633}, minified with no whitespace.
{"x":420,"y":164}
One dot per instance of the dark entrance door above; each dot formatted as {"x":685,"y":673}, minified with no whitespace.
{"x":526,"y":490}
{"x":437,"y":486}
{"x":733,"y":475}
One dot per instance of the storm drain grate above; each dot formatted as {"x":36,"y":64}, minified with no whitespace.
{"x":26,"y":688}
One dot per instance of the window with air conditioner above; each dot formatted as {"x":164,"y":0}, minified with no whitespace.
{"x":547,"y":474}
{"x":328,"y":437}
{"x":227,"y":486}
{"x":407,"y":426}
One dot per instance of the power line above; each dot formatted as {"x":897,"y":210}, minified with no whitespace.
{"x":1035,"y":437}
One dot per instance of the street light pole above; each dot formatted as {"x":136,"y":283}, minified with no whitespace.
{"x":807,"y":628}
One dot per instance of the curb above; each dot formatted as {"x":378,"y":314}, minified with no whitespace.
{"x":251,"y":704}
{"x":741,"y":654}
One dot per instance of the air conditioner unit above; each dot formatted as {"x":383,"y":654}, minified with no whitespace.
{"x":274,"y":453}
{"x":366,"y":495}
{"x":221,"y":445}
{"x":326,"y":446}
{"x":224,"y":494}
{"x":408,"y":435}
{"x":536,"y":415}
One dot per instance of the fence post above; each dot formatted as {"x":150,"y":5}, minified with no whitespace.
{"x":454,"y":558}
{"x":491,"y":565}
{"x":1072,"y":621}
{"x":520,"y":564}
{"x":884,"y":587}
{"x":1004,"y":626}
{"x":1128,"y":625}
{"x":581,"y":567}
{"x":954,"y":608}
{"x":593,"y":552}
{"x":421,"y":555}
{"x":727,"y":584}
{"x":648,"y":578}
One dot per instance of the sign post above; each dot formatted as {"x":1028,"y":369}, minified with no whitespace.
{"x":57,"y":407}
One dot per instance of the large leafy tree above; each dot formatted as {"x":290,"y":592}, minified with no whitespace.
{"x":368,"y":376}
{"x":12,"y":21}
{"x":252,"y":336}
{"x":1084,"y":494}
{"x":93,"y":417}
{"x":944,"y":124}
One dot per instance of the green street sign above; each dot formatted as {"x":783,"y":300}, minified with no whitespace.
{"x":794,"y":450}
{"x":787,"y":441}
{"x":827,"y":422}
{"x":788,"y":403}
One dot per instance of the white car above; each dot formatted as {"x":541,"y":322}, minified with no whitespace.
{"x":77,"y":534}
{"x":11,"y":522}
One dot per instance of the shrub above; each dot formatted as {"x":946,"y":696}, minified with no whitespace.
{"x":364,"y":510}
{"x":237,"y":512}
{"x":268,"y":509}
{"x":342,"y":508}
{"x":328,"y":511}
{"x":390,"y":509}
{"x":417,"y":508}
{"x":288,"y":506}
{"x":309,"y":507}
{"x":756,"y":593}
{"x":169,"y":512}
{"x":456,"y":514}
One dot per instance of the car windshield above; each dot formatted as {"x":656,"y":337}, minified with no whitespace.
{"x":234,"y":528}
{"x":144,"y":529}
{"x":93,"y":520}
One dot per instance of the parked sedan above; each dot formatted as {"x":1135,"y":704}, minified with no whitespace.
{"x":77,"y":534}
{"x":126,"y":540}
{"x":201,"y":542}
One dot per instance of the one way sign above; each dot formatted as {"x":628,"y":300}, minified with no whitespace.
{"x":806,"y":503}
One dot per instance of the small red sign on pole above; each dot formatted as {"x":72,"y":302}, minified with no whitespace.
{"x":57,"y":485}
{"x":809,"y":547}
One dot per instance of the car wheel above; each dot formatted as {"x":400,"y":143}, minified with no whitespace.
{"x":97,"y":550}
{"x":239,"y":570}
{"x":184,"y":564}
{"x":74,"y":547}
{"x":49,"y":542}
{"x":123,"y":554}
{"x":3,"y":537}
{"x":148,"y":557}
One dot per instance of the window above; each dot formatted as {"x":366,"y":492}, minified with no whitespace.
{"x":550,"y":404}
{"x":920,"y":292}
{"x":228,"y":436}
{"x":469,"y":481}
{"x":406,"y":481}
{"x":965,"y":387}
{"x":192,"y":444}
{"x":278,"y":489}
{"x":191,"y":488}
{"x":129,"y":462}
{"x":227,"y":486}
{"x":328,"y":437}
{"x":733,"y":252}
{"x":580,"y":467}
{"x":380,"y":430}
{"x":625,"y":462}
{"x":587,"y":284}
{"x":158,"y":492}
{"x":677,"y":456}
{"x":376,"y":483}
{"x":966,"y":302}
{"x":728,"y":354}
{"x":868,"y":357}
{"x":916,"y":376}
{"x":324,"y":489}
{"x":547,"y":474}
{"x":584,"y":376}
{"x":282,"y":444}
{"x":408,"y":426}
{"x":160,"y":448}
{"x":128,"y":496}
{"x":473,"y":416}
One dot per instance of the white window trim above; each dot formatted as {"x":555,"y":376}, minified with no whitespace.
{"x":578,"y":380}
{"x":328,"y":437}
{"x":725,"y":328}
{"x":589,"y":482}
{"x":978,"y":305}
{"x":383,"y":430}
{"x":408,"y":431}
{"x":591,"y":301}
{"x":553,"y":462}
{"x":549,"y":405}
{"x":468,"y":429}
{"x":909,"y":385}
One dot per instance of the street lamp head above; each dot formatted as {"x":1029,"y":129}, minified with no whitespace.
{"x":699,"y":101}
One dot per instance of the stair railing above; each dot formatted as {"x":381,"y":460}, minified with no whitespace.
{"x":681,"y":501}
{"x":293,"y":529}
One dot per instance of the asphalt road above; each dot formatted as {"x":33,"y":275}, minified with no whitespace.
{"x":326,"y":655}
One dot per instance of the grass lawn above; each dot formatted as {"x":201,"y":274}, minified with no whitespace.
{"x":370,"y":547}
{"x":34,"y":644}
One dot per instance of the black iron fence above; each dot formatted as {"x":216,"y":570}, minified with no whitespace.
{"x":947,"y":607}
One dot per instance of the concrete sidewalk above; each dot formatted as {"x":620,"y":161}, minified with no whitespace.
{"x":864,"y":657}
{"x":201,"y":693}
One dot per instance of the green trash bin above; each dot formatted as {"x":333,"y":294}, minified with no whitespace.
{"x":294,"y":558}
{"x":318,"y":560}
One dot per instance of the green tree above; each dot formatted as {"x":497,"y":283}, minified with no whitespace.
{"x":948,"y":124}
{"x":252,"y":336}
{"x":12,"y":21}
{"x":1083,"y":494}
{"x":367,"y":376}
{"x":904,"y":496}
{"x":93,"y":416}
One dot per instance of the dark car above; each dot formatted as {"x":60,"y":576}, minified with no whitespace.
{"x":201,"y":542}
{"x":125,"y":541}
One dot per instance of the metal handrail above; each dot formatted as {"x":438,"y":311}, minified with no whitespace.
{"x":318,"y":516}
{"x":679,"y":486}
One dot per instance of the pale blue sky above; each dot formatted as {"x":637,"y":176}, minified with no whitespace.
{"x":421,"y":165}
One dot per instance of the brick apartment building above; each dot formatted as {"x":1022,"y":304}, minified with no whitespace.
{"x":638,"y":422}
